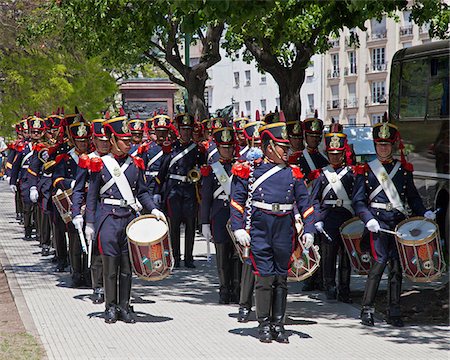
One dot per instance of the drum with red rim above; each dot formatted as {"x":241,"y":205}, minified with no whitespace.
{"x":150,"y":249}
{"x":63,"y":204}
{"x":303,"y":262}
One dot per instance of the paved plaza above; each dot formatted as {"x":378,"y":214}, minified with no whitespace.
{"x":179,"y":318}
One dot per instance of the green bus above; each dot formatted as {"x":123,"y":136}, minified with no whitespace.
{"x":419,"y":106}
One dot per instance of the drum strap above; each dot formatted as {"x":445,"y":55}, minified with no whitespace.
{"x":335,"y":183}
{"x":182,"y":154}
{"x":267,"y":175}
{"x":243,"y":151}
{"x":211,"y":154}
{"x":154,"y":158}
{"x":74,"y":156}
{"x":309,"y":160}
{"x":27,"y":156}
{"x":386,"y":184}
{"x":134,"y":153}
{"x":224,"y":179}
{"x":122,"y":169}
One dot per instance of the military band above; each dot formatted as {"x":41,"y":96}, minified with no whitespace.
{"x":258,"y":187}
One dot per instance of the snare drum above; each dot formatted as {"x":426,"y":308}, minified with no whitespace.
{"x":63,"y":204}
{"x":419,"y":249}
{"x":303,"y":262}
{"x":150,"y":248}
{"x":351,"y":234}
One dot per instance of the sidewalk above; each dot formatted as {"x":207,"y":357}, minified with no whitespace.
{"x":179,"y":317}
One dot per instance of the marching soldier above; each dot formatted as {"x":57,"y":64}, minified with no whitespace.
{"x":238,"y":125}
{"x":382,"y":188}
{"x":211,"y":148}
{"x":116,"y":191}
{"x":215,"y":213}
{"x":64,"y":176}
{"x":262,"y":217}
{"x":295,"y":133}
{"x":310,"y":161}
{"x":176,"y":183}
{"x":331,"y":193}
{"x":102,"y":147}
{"x":137,"y":127}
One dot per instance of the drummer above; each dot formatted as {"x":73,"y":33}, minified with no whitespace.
{"x":382,"y":188}
{"x":270,"y":209}
{"x":111,"y":205}
{"x":331,"y":194}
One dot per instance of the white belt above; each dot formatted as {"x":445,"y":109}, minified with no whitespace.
{"x":223,"y":197}
{"x":272,"y":207}
{"x":151,"y":173}
{"x":25,"y":166}
{"x":47,"y":175}
{"x":178,"y":177}
{"x":337,"y":202}
{"x":384,"y":206}
{"x":117,"y":202}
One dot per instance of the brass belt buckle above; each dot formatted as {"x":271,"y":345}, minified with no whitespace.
{"x":275,"y":207}
{"x":123,"y":203}
{"x":339,"y":202}
{"x":389,"y":207}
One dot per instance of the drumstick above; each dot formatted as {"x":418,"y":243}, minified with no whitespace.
{"x":83,"y":240}
{"x":89,"y":254}
{"x":327,"y":236}
{"x":208,"y":249}
{"x":414,"y":231}
{"x":392,"y":232}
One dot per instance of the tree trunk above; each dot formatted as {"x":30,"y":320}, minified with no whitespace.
{"x":195,"y":86}
{"x":289,"y":87}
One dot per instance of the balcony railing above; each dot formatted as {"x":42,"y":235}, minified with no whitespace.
{"x":424,"y":29}
{"x":406,"y":30}
{"x":333,"y":104}
{"x":379,"y":67}
{"x":333,"y":74}
{"x":350,"y":71}
{"x":351,"y":103}
{"x":334,"y":43}
{"x":378,"y":100}
{"x":378,"y":35}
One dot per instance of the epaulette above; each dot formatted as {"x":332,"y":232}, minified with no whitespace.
{"x":314,"y":174}
{"x":96,"y":164}
{"x":205,"y":170}
{"x":143,"y":148}
{"x":60,"y":158}
{"x":138,"y":162}
{"x":38,"y":147}
{"x":166,"y":147}
{"x":202,"y":148}
{"x":408,"y":166}
{"x":241,"y":169}
{"x":205,"y":144}
{"x":84,"y":161}
{"x":296,"y":172}
{"x":360,"y":169}
{"x":20,"y":147}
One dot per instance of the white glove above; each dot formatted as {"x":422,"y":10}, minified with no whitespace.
{"x":430,"y":215}
{"x":45,"y":155}
{"x":206,"y":231}
{"x":319,"y":226}
{"x":5,"y":177}
{"x":72,"y":184}
{"x":157,"y":199}
{"x":242,"y":237}
{"x":34,"y":195}
{"x":13,"y":188}
{"x":89,"y":231}
{"x":159,"y":215}
{"x":78,"y":221}
{"x":373,"y":226}
{"x":59,"y":191}
{"x":307,"y":240}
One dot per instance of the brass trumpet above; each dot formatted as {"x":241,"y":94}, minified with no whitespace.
{"x":194,"y":175}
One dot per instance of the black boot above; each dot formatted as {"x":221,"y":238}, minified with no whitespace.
{"x":110,"y":268}
{"x":125,"y":311}
{"x":263,"y":297}
{"x":372,"y":283}
{"x":244,"y":314}
{"x":344,"y":277}
{"x":393,"y":294}
{"x":279,"y":309}
{"x":98,"y":297}
{"x":367,"y":316}
{"x":223,"y":272}
{"x":77,"y":280}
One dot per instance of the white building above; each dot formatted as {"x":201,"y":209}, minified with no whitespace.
{"x":240,"y":84}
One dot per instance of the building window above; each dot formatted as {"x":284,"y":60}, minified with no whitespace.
{"x":263,"y":106}
{"x":247,"y":78}
{"x":407,"y":45}
{"x":378,"y":59}
{"x":263,"y":79}
{"x":352,"y":62}
{"x":335,"y":63}
{"x":335,"y":97}
{"x":378,"y":28}
{"x":378,"y":92}
{"x":376,"y":118}
{"x":310,"y":103}
{"x":236,"y":109}
{"x":352,"y":120}
{"x":277,"y":101}
{"x":248,"y":110}
{"x":352,"y":101}
{"x":236,"y":79}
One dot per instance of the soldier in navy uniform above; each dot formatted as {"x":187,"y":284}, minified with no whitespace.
{"x":238,"y":125}
{"x":383,"y":208}
{"x":102,"y":147}
{"x":295,"y":133}
{"x":137,"y":127}
{"x":331,"y":194}
{"x":215,"y":213}
{"x":109,"y":211}
{"x":19,"y":173}
{"x":262,"y":216}
{"x":177,"y":187}
{"x":212,"y":153}
{"x":64,"y":178}
{"x":309,"y":162}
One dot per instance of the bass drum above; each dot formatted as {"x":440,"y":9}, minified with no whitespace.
{"x":150,"y":249}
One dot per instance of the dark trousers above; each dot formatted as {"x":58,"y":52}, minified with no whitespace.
{"x":59,"y":237}
{"x":96,"y":270}
{"x":78,"y":259}
{"x":331,"y":251}
{"x":228,"y":270}
{"x":28,"y":209}
{"x":247,"y":286}
{"x":18,"y":201}
{"x":189,"y":236}
{"x":45,"y":229}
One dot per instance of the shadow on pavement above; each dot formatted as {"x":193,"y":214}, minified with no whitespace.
{"x":253,"y":332}
{"x":140,"y":317}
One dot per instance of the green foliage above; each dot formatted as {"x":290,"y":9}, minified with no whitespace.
{"x":38,"y":81}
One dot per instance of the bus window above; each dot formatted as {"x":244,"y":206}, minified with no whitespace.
{"x":438,"y":89}
{"x":413,"y":89}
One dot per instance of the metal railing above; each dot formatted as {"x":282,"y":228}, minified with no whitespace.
{"x":378,"y":67}
{"x":351,"y":102}
{"x":333,"y":74}
{"x":349,"y":71}
{"x":378,"y":100}
{"x":333,"y":104}
{"x":406,"y":30}
{"x":379,"y":35}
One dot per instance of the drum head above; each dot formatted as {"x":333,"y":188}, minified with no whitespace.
{"x":416,"y":229}
{"x":146,"y":229}
{"x":353,"y":227}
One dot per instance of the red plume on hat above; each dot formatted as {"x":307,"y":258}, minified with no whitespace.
{"x":62,"y":111}
{"x":122,"y":112}
{"x":107,"y":116}
{"x":282,"y":118}
{"x":257,"y":117}
{"x":242,"y":114}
